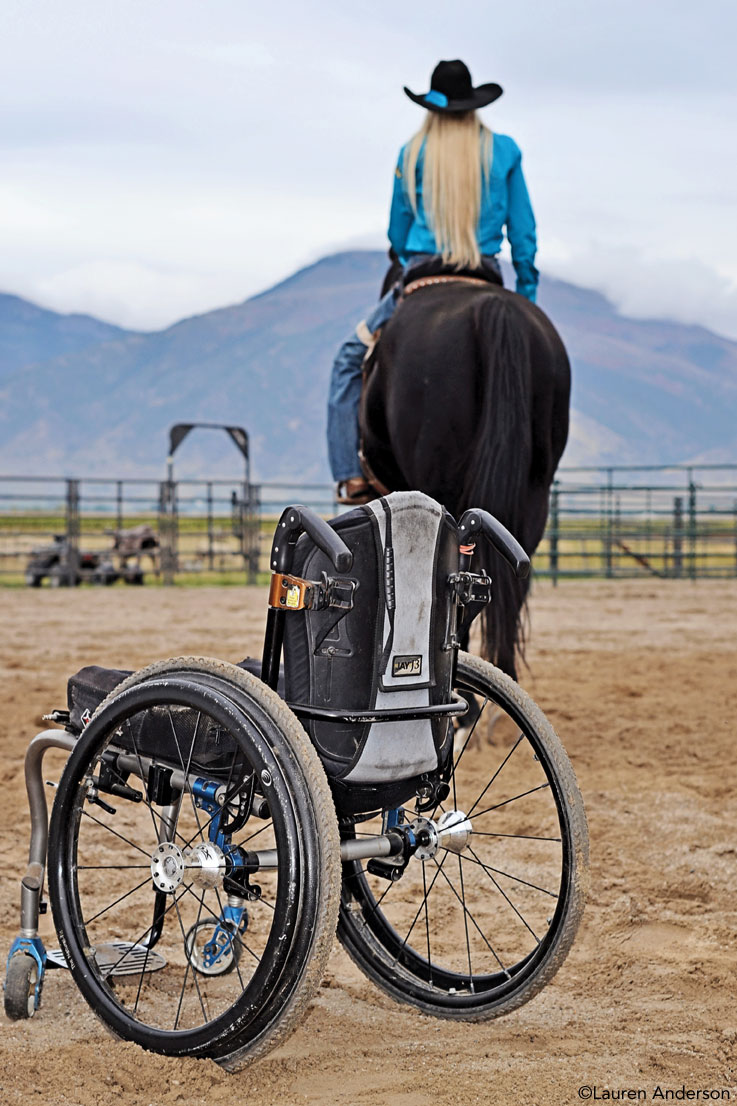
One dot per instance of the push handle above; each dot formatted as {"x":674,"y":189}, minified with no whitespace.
{"x":475,"y":521}
{"x":297,"y":520}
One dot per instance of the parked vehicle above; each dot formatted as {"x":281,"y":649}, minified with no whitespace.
{"x":67,"y":566}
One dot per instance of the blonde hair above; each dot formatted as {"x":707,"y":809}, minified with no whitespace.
{"x":458,"y":153}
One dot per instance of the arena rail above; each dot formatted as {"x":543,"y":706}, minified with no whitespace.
{"x":663,"y":522}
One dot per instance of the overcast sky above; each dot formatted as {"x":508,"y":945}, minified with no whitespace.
{"x":163,"y":157}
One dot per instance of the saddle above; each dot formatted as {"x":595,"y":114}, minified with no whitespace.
{"x":436,"y":271}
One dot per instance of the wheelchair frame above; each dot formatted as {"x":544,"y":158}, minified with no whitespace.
{"x":371,"y":940}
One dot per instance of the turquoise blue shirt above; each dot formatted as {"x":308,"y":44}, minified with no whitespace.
{"x":505,"y":203}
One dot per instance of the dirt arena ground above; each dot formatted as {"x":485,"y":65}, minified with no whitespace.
{"x":640,"y":680}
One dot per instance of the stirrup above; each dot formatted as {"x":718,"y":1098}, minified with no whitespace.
{"x":355,"y":491}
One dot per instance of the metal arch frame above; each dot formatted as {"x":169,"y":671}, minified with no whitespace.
{"x":177,"y":433}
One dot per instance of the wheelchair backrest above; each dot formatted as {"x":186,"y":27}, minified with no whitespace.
{"x":389,"y":651}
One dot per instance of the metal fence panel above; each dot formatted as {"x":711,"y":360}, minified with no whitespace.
{"x":626,"y":521}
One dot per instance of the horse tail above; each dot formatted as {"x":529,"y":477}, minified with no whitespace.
{"x":500,"y":461}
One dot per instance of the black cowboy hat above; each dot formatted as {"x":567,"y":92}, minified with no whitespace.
{"x":452,"y":92}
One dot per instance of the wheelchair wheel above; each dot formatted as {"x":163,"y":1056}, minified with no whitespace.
{"x":478,"y":922}
{"x":179,"y":937}
{"x":21,"y":981}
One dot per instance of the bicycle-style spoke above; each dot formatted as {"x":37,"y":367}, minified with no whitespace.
{"x":111,"y":867}
{"x":194,"y":974}
{"x":465,"y":925}
{"x":201,"y":828}
{"x":115,"y":833}
{"x":516,"y":745}
{"x":469,"y":735}
{"x":143,"y":883}
{"x":187,"y":785}
{"x":140,"y":979}
{"x":514,"y":799}
{"x":504,"y":894}
{"x":201,"y":900}
{"x":232,"y":936}
{"x":257,"y":832}
{"x":427,"y":919}
{"x":266,"y":902}
{"x":217,"y":919}
{"x":517,"y":879}
{"x":420,"y":907}
{"x":468,"y":913}
{"x":517,"y":836}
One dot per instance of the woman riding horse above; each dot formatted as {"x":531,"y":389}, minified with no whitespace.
{"x":456,"y":187}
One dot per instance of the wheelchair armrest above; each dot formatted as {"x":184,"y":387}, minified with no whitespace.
{"x":475,"y":521}
{"x":297,"y":520}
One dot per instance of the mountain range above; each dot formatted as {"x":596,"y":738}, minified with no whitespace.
{"x":82,"y":397}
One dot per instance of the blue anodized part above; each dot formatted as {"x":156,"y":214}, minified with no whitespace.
{"x":34,"y":947}
{"x":205,"y":796}
{"x":221,"y":941}
{"x":231,"y":917}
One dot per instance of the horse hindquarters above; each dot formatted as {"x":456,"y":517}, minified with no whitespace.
{"x":469,"y":403}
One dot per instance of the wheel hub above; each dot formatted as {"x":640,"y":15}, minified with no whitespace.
{"x":167,"y":867}
{"x":204,"y":864}
{"x":452,"y":830}
{"x":427,"y":838}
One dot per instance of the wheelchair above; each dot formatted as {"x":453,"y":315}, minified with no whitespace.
{"x":216,"y":824}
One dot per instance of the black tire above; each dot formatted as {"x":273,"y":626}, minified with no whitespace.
{"x":474,"y":934}
{"x":20,"y":986}
{"x":216,"y":710}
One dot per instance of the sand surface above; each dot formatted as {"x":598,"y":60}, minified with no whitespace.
{"x":640,"y":681}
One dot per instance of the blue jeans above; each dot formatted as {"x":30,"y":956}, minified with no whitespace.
{"x":345,"y":393}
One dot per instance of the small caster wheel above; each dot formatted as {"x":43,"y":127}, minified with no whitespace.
{"x":213,"y":948}
{"x":21,"y":980}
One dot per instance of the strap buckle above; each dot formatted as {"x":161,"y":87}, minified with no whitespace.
{"x":292,"y":593}
{"x":471,"y":587}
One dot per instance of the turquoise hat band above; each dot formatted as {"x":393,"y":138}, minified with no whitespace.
{"x":438,"y":99}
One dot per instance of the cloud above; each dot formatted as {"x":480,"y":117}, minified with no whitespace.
{"x":127,"y":293}
{"x":679,"y":288}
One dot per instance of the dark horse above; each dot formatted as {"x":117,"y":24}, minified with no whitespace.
{"x":467,"y":401}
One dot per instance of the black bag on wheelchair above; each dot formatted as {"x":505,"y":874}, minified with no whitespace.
{"x":388,"y":653}
{"x":150,"y":734}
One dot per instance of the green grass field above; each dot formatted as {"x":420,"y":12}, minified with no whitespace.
{"x":209,"y":553}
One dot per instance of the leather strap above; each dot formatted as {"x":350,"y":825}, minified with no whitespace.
{"x":369,"y":473}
